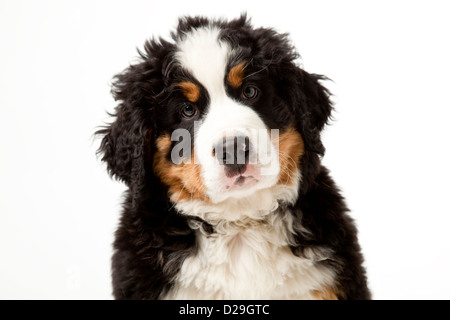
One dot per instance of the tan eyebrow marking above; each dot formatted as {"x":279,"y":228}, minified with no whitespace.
{"x":190,"y":90}
{"x":236,"y":75}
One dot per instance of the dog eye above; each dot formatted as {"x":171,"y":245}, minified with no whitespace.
{"x":250,"y":92}
{"x":188,"y":111}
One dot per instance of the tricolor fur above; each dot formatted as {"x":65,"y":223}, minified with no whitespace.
{"x":272,"y":226}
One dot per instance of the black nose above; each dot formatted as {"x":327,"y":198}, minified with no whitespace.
{"x":233,"y":153}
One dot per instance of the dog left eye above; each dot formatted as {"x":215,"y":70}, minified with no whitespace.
{"x":250,"y":92}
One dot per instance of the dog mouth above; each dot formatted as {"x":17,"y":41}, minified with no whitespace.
{"x":241,"y":182}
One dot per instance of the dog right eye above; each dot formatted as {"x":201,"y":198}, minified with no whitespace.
{"x":189,"y":111}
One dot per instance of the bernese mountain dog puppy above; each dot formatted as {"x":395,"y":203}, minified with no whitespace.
{"x":217,"y":136}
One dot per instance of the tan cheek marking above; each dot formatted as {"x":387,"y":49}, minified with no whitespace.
{"x":327,"y":293}
{"x":190,"y":90}
{"x":236,"y":75}
{"x":291,"y":149}
{"x":184,"y":180}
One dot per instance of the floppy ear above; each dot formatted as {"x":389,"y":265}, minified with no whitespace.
{"x":312,"y":108}
{"x":122,"y":146}
{"x":125,"y":141}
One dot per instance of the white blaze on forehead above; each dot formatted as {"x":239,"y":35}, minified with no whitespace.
{"x":202,"y":54}
{"x":205,"y":56}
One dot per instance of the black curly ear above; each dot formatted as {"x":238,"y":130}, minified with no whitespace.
{"x":124,"y":142}
{"x":313,"y":109}
{"x":122,"y":146}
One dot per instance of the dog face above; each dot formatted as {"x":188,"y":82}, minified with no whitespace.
{"x":222,"y":116}
{"x":224,"y":102}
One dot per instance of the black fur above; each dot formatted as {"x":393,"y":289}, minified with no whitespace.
{"x":153,"y":240}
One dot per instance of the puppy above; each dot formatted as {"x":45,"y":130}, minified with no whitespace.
{"x":217,"y":136}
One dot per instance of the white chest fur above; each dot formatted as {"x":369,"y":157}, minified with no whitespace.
{"x":249,"y":259}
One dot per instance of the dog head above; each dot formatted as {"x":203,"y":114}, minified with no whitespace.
{"x":221,"y":115}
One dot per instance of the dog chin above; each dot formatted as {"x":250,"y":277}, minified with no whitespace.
{"x":235,"y":192}
{"x":249,"y":201}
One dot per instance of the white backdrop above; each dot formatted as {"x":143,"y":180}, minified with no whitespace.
{"x":388,"y":147}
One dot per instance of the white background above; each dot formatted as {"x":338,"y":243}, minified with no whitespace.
{"x":388,"y":147}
